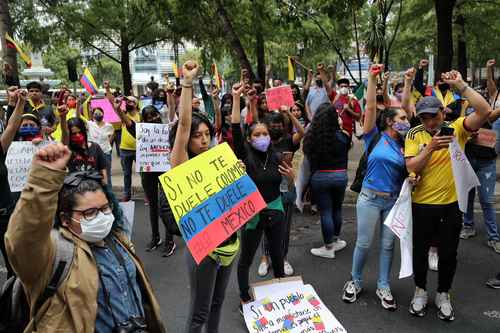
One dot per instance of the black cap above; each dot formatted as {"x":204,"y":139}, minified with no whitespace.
{"x":429,"y":104}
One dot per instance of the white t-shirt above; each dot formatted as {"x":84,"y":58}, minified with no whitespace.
{"x":100,"y":135}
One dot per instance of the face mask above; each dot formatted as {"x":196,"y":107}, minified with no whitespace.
{"x":401,"y":128}
{"x":319,"y":83}
{"x":130,"y":107}
{"x":156,"y":120}
{"x":28,"y":131}
{"x":261,"y":143}
{"x":399,"y":96}
{"x":77,"y":139}
{"x":275,"y":133}
{"x":380,"y":98}
{"x":71,"y":104}
{"x":344,"y":91}
{"x":98,"y":117}
{"x":444,"y":86}
{"x":227,"y":109}
{"x":97,"y":229}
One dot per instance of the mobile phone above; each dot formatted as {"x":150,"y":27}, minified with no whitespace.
{"x":446,"y":131}
{"x":287,"y":157}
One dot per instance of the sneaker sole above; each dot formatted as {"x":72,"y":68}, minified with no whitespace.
{"x":492,"y":286}
{"x":351,"y":300}
{"x":323,"y":256}
{"x":445,"y":318}
{"x":420,"y":313}
{"x":389,"y":307}
{"x":151,"y":249}
{"x":168,"y":254}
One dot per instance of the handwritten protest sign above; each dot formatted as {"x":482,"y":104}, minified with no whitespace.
{"x":400,"y":221}
{"x":465,"y":176}
{"x":211,"y":197}
{"x":109,"y":114}
{"x":292,"y":311}
{"x":276,"y":97}
{"x":153,"y":148}
{"x":18,"y":162}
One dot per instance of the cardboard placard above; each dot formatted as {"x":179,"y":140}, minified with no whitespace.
{"x":276,"y":97}
{"x":152,"y":147}
{"x":18,"y":162}
{"x":109,"y":114}
{"x":211,"y":197}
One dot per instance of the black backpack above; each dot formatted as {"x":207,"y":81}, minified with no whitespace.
{"x":357,"y":183}
{"x":14,"y":307}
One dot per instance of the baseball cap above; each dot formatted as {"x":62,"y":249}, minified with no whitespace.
{"x":132,"y":99}
{"x":428,"y":104}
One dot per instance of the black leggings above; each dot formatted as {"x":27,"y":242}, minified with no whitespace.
{"x":441,"y":223}
{"x":250,"y":239}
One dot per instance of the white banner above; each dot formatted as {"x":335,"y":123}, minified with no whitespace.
{"x":400,"y":221}
{"x":18,"y":162}
{"x":153,"y":148}
{"x":291,"y":311}
{"x":465,"y":177}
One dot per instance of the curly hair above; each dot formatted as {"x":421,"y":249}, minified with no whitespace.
{"x":321,"y":138}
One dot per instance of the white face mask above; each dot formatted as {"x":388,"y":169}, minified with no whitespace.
{"x":344,"y":91}
{"x":97,"y":229}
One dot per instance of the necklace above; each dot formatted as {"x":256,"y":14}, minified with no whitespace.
{"x":265,"y":163}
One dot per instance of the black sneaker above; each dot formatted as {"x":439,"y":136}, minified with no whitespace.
{"x":153,"y":245}
{"x":494,"y":282}
{"x":169,"y":249}
{"x":351,"y":292}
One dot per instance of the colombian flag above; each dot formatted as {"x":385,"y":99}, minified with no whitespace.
{"x":291,"y":69}
{"x":11,"y":44}
{"x":88,"y":82}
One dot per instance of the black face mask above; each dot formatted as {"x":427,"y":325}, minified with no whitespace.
{"x":98,"y":117}
{"x":444,"y":86}
{"x":319,"y":83}
{"x":275,"y":133}
{"x":130,"y":107}
{"x":226,"y":110}
{"x":380,"y":98}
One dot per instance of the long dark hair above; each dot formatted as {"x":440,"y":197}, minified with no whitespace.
{"x":384,"y":116}
{"x":322,"y":137}
{"x":253,"y":158}
{"x":196,"y":121}
{"x":67,"y":200}
{"x":80,"y":124}
{"x":149,"y":110}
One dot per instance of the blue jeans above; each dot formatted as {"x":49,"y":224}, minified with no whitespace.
{"x":108,"y":168}
{"x":127,"y":160}
{"x":328,"y":189}
{"x":486,"y":172}
{"x":496,"y":128}
{"x":371,"y":210}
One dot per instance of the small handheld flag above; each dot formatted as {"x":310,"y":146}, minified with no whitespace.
{"x":88,"y":82}
{"x":11,"y":44}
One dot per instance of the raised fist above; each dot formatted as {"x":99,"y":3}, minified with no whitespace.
{"x":490,"y":63}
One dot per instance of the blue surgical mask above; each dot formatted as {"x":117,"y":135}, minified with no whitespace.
{"x":28,"y":131}
{"x":261,"y":143}
{"x":401,"y":128}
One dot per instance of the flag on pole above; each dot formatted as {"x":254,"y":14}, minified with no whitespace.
{"x":88,"y":82}
{"x":175,"y":69}
{"x":291,"y":69}
{"x":217,"y":78}
{"x":11,"y":44}
{"x":360,"y":94}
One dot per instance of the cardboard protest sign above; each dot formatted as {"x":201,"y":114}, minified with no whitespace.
{"x":276,"y":97}
{"x":152,"y":148}
{"x":292,"y":311}
{"x":18,"y":162}
{"x":211,"y":197}
{"x":260,"y":290}
{"x":400,"y":221}
{"x":109,"y":114}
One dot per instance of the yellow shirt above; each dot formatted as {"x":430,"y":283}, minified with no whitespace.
{"x":437,"y":186}
{"x":128,"y":141}
{"x":57,"y":134}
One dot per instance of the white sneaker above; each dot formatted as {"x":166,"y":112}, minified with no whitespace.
{"x":418,"y":306}
{"x":433,"y":261}
{"x":351,"y":292}
{"x":288,"y":268}
{"x":386,"y":299}
{"x":339,"y":244}
{"x":323,"y":252}
{"x":443,"y":303}
{"x":263,"y":268}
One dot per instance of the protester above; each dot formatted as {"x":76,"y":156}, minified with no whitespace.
{"x":326,"y":147}
{"x":317,"y":93}
{"x":299,"y":113}
{"x":494,"y":97}
{"x":435,"y":207}
{"x":208,"y":280}
{"x":480,"y":151}
{"x":86,"y":214}
{"x":347,"y":106}
{"x":7,"y":200}
{"x":381,"y":186}
{"x":101,"y":133}
{"x":265,"y":167}
{"x":223,"y":111}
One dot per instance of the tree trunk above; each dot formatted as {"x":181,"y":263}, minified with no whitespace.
{"x":234,"y":40}
{"x":259,"y":40}
{"x":357,"y":44}
{"x":444,"y":18}
{"x":126,"y":75}
{"x":9,"y":55}
{"x":461,"y":47}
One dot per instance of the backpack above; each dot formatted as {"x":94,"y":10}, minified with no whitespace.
{"x":14,"y":307}
{"x":357,"y":183}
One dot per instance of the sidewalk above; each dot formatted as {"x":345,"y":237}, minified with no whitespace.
{"x":350,"y":197}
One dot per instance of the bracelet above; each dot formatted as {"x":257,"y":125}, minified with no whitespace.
{"x":187,"y":85}
{"x":461,"y":91}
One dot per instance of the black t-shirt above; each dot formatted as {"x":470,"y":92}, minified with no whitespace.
{"x":6,"y":200}
{"x":261,"y":167}
{"x":46,"y":112}
{"x":92,"y":159}
{"x":476,"y":151}
{"x":336,"y":157}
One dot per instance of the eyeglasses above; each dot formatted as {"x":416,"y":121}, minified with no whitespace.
{"x":91,"y":213}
